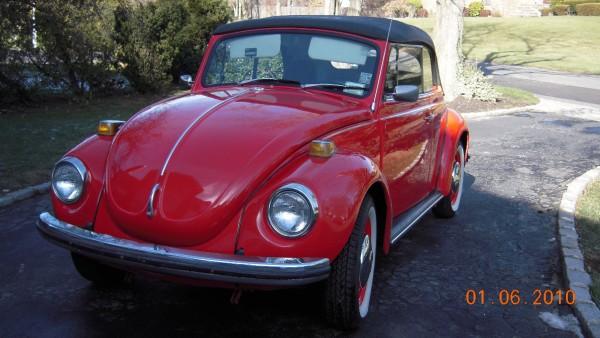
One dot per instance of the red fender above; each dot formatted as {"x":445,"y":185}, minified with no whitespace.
{"x":454,"y":128}
{"x":339,"y":183}
{"x":92,"y":152}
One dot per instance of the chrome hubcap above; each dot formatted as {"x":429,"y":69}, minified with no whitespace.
{"x":366,"y":260}
{"x":456,"y":176}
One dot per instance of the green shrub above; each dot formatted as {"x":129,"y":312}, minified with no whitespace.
{"x":588,"y":9}
{"x":475,"y":8}
{"x":73,"y":53}
{"x":75,"y":47}
{"x":546,"y":11}
{"x":416,"y":4}
{"x":160,"y":40}
{"x":560,"y":10}
{"x":474,"y":85}
{"x":15,"y":34}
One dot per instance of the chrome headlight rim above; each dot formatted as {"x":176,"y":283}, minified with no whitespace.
{"x":81,"y":170}
{"x":307,"y":195}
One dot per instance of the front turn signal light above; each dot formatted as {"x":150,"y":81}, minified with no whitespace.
{"x":109,"y":127}
{"x":320,"y":148}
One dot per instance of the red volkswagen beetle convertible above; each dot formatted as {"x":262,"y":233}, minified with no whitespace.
{"x":306,"y":145}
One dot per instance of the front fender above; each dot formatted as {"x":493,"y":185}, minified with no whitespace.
{"x":92,"y":152}
{"x":454,"y":128}
{"x":339,"y":183}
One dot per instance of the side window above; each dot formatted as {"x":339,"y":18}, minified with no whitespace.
{"x":409,"y":65}
{"x":427,"y":71}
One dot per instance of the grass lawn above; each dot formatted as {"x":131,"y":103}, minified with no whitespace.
{"x":518,"y":96}
{"x":588,"y":227}
{"x":32,"y":140}
{"x":566,"y":43}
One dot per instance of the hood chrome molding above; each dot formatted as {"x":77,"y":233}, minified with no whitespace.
{"x":194,"y":122}
{"x":150,"y":204}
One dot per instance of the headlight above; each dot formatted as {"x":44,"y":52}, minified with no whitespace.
{"x":292,"y":210}
{"x":68,"y":178}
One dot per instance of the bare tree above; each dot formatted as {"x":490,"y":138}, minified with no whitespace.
{"x":448,"y":33}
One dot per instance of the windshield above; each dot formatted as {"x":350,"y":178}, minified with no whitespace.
{"x":307,"y":59}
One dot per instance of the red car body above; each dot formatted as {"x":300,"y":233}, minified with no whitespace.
{"x":217,"y":154}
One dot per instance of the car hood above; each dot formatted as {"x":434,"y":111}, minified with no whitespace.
{"x":205,"y":152}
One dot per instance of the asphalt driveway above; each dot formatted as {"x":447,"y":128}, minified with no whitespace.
{"x":549,"y":83}
{"x":503,"y":238}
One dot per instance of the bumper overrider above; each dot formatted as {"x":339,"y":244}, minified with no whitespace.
{"x":269,"y":271}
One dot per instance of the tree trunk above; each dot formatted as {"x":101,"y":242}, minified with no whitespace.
{"x":447,"y":34}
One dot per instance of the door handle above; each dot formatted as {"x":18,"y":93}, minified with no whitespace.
{"x":428,"y":117}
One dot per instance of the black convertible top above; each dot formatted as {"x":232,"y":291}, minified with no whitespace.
{"x":376,"y":28}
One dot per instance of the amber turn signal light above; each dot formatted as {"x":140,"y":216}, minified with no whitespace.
{"x":109,"y":127}
{"x":320,"y":148}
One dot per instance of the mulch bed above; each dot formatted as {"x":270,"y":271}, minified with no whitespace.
{"x":463,"y":105}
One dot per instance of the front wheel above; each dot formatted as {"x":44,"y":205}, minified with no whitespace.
{"x":350,"y":284}
{"x":448,"y":206}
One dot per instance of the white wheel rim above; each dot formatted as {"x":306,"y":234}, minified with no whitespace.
{"x":364,"y":306}
{"x":456,"y":203}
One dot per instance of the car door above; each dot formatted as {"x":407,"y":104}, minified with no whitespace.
{"x":407,"y":130}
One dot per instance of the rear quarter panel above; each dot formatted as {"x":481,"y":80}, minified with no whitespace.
{"x":453,"y":128}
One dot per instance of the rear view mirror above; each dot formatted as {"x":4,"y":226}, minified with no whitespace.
{"x":186,"y":80}
{"x":406,"y":93}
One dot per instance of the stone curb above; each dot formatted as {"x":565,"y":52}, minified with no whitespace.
{"x":499,"y":112}
{"x":24,"y":193}
{"x":577,"y":279}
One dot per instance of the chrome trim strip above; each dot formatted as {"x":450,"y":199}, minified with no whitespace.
{"x":150,"y":205}
{"x":417,"y":218}
{"x":412,"y":111}
{"x":336,"y":132}
{"x":193,"y":123}
{"x":426,"y":94}
{"x":183,"y":262}
{"x":310,"y":198}
{"x":83,"y":174}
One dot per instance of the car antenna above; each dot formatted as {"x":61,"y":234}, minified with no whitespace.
{"x":377,"y":85}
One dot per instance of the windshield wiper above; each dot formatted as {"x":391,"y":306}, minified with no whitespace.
{"x":332,"y":86}
{"x":269,"y":80}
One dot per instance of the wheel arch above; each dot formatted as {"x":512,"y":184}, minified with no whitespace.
{"x":454,"y":131}
{"x":464,"y":140}
{"x":380,"y":195}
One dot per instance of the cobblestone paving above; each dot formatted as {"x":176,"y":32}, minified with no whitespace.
{"x":504,"y":238}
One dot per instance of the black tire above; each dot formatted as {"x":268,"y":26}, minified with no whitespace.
{"x":95,"y":272}
{"x":446,"y":208}
{"x":342,"y":308}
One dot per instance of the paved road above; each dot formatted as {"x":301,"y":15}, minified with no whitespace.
{"x":504,"y":237}
{"x":575,"y":87}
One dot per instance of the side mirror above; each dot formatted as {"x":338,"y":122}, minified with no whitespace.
{"x":186,"y":80}
{"x":406,"y":93}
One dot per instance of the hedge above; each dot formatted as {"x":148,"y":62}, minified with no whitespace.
{"x":560,"y":10}
{"x":572,"y":3}
{"x":588,"y":9}
{"x":546,"y":11}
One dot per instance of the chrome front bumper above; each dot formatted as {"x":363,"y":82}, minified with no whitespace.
{"x":271,"y":271}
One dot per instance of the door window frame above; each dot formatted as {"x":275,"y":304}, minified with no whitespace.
{"x":435,"y":81}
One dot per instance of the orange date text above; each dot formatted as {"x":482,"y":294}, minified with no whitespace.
{"x":517,"y":297}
